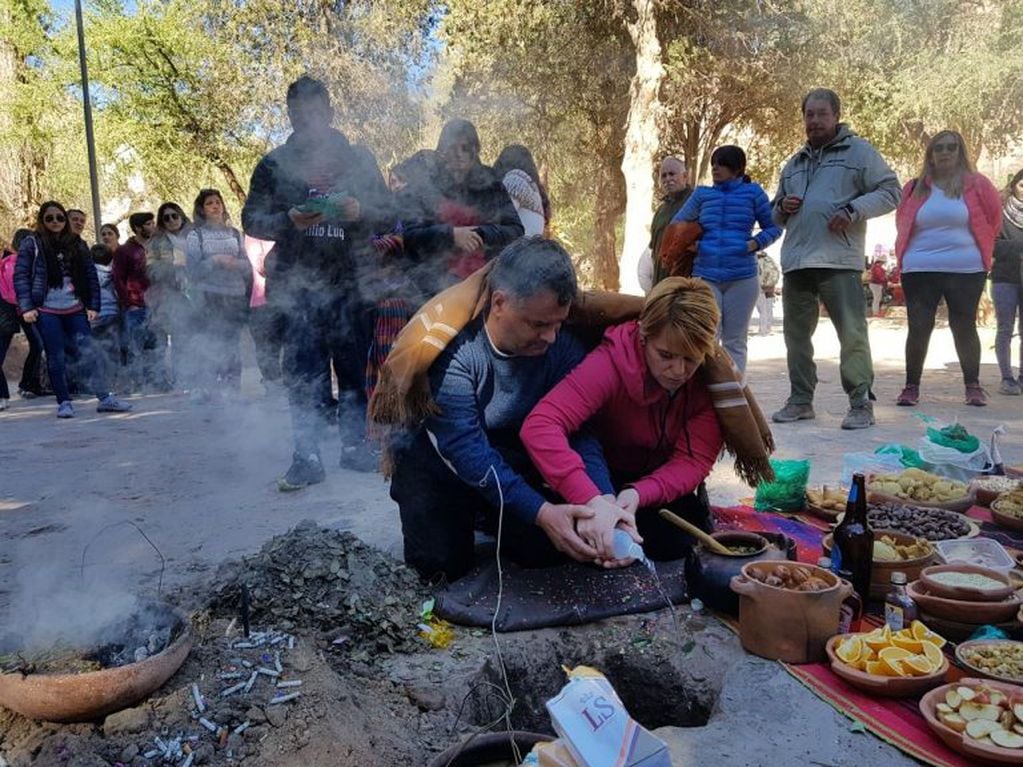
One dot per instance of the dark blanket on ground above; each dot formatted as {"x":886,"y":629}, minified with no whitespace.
{"x":565,"y":595}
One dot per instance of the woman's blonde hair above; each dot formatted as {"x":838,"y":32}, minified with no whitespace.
{"x":954,"y":188}
{"x":687,"y":309}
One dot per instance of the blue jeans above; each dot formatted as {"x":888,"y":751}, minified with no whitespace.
{"x":68,"y":342}
{"x":134,"y":330}
{"x":1008,"y":301}
{"x":736,"y":299}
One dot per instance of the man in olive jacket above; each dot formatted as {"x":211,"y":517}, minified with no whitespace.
{"x":828,"y":190}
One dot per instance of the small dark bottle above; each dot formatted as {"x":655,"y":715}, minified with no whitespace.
{"x":853,"y":548}
{"x":899,"y":609}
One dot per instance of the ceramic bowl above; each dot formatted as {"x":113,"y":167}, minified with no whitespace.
{"x":963,"y":611}
{"x":881,"y":572}
{"x":887,"y":686}
{"x":966,"y":593}
{"x":965,"y":647}
{"x":961,"y":742}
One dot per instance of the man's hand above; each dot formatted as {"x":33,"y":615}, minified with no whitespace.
{"x":467,"y":239}
{"x":840,"y":221}
{"x":791,"y":204}
{"x":350,"y":209}
{"x":559,"y":521}
{"x":304,"y":220}
{"x":30,"y":316}
{"x":598,"y":531}
{"x":91,"y":315}
{"x":628,"y":500}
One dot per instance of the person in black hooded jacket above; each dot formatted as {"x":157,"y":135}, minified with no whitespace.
{"x":320,"y":199}
{"x":460,"y":217}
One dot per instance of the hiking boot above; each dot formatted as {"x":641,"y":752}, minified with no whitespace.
{"x":65,"y":410}
{"x":110,"y":404}
{"x":305,"y":470}
{"x":859,"y":416}
{"x":29,"y":394}
{"x":360,"y":458}
{"x":910,"y":396}
{"x":1011,"y":387}
{"x":975,"y":395}
{"x":4,"y":404}
{"x":793,"y":412}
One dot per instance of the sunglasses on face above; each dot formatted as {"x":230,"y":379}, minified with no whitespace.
{"x":171,"y":216}
{"x":49,"y":218}
{"x":950,"y":146}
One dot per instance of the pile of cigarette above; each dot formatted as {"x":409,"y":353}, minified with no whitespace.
{"x":243,"y":676}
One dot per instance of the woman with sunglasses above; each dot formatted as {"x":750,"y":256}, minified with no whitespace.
{"x":58,"y":289}
{"x":166,"y":297}
{"x":946,"y":225}
{"x":219,"y":275}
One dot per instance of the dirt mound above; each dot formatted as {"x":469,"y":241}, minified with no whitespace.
{"x":315,"y":578}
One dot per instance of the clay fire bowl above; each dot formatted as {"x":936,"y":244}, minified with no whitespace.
{"x":963,"y":611}
{"x":967,"y":593}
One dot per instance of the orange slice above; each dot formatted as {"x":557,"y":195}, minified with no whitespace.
{"x":908,"y":643}
{"x":917,"y":665}
{"x":849,"y":650}
{"x":878,"y":640}
{"x":884,"y":668}
{"x":933,"y":653}
{"x":920,"y":631}
{"x":894,"y":654}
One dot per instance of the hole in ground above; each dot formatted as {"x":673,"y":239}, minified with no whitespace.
{"x":653,"y":684}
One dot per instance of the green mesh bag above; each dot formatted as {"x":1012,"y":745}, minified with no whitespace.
{"x":788,"y":491}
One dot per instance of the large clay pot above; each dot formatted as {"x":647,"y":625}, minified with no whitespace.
{"x":709,"y":575}
{"x":783,"y":624}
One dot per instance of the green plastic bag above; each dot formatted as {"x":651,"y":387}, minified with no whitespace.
{"x":911,"y":459}
{"x":788,"y":491}
{"x":955,"y":437}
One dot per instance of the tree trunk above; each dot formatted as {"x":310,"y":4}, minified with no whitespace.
{"x":641,"y":141}
{"x":610,"y":202}
{"x":232,"y":180}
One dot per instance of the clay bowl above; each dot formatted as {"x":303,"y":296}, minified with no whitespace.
{"x":1004,"y":518}
{"x":961,"y":742}
{"x":963,"y":611}
{"x":962,"y":649}
{"x":94,"y":694}
{"x":738,"y":538}
{"x":881,"y":572}
{"x":966,"y":593}
{"x":962,"y":504}
{"x":887,"y":686}
{"x":956,"y":631}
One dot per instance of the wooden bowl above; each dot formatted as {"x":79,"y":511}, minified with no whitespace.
{"x":881,"y":572}
{"x":965,"y":646}
{"x":963,"y":611}
{"x":961,"y":742}
{"x":966,"y":593}
{"x":887,"y":686}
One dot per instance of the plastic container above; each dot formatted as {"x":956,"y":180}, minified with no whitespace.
{"x":983,"y":552}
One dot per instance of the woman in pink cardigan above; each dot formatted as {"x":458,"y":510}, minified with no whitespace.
{"x":946,"y":226}
{"x":641,"y":393}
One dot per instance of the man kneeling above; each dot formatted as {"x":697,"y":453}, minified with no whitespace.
{"x":466,"y":465}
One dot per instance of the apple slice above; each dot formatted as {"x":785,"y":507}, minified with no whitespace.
{"x":966,"y":693}
{"x":954,"y":722}
{"x":997,"y":698}
{"x":1006,"y":739}
{"x":981,"y":728}
{"x":944,"y":708}
{"x":955,"y":700}
{"x":1018,"y":728}
{"x":1017,"y":710}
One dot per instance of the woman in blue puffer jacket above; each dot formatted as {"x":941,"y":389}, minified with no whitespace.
{"x":726,"y":258}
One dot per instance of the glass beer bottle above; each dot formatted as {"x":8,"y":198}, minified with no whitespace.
{"x":853,"y":547}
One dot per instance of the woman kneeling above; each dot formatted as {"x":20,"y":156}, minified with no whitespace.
{"x":653,"y":415}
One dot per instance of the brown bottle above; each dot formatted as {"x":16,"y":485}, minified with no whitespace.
{"x":853,"y":548}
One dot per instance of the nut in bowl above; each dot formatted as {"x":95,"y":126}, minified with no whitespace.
{"x":1007,"y":509}
{"x":987,"y":489}
{"x":999,"y":659}
{"x":893,"y":664}
{"x":982,"y":719}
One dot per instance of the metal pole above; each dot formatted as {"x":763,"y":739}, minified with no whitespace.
{"x":90,"y":141}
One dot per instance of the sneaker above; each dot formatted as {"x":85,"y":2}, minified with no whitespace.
{"x":65,"y":410}
{"x":4,"y":404}
{"x":910,"y":396}
{"x":975,"y":395}
{"x":304,"y":471}
{"x":859,"y":416}
{"x":793,"y":412}
{"x":360,"y":458}
{"x":28,"y":394}
{"x":1011,"y":387}
{"x":110,"y":404}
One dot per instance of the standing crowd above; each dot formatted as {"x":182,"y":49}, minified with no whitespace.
{"x":435,"y":301}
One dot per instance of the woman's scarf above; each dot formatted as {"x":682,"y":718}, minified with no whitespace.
{"x":403,"y":397}
{"x":1014,"y":211}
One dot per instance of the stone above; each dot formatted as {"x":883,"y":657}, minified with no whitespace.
{"x":127,"y":721}
{"x":276,"y":715}
{"x":255,"y":715}
{"x":426,"y":698}
{"x":129,"y":752}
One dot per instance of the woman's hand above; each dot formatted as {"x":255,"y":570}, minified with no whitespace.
{"x":628,"y":500}
{"x":91,"y":315}
{"x":30,"y":316}
{"x":751,"y":246}
{"x":467,"y":239}
{"x":598,"y":530}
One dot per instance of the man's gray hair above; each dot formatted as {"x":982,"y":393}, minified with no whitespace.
{"x":534,"y":264}
{"x":824,"y":94}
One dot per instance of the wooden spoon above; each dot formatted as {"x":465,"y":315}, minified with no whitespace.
{"x":711,"y":543}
